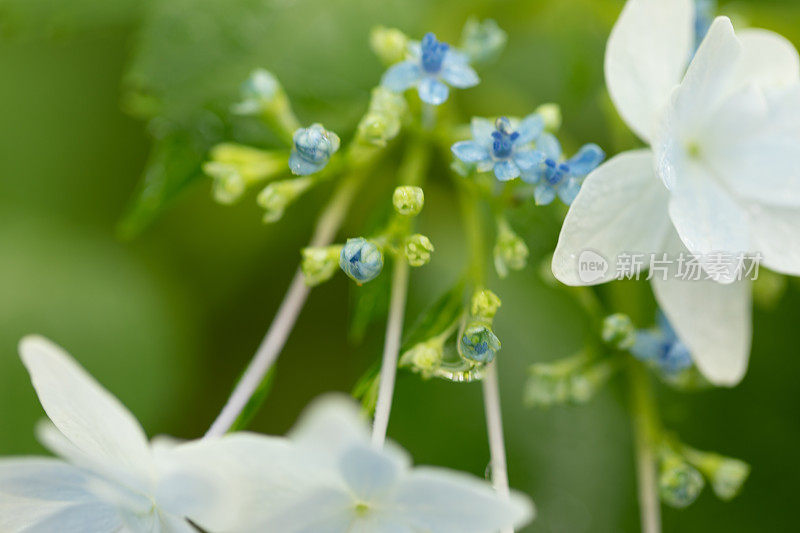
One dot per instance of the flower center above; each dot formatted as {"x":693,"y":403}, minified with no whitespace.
{"x":555,"y":171}
{"x":433,"y":53}
{"x":503,"y":139}
{"x":694,"y":150}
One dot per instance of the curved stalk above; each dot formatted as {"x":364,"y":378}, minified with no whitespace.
{"x":645,"y":434}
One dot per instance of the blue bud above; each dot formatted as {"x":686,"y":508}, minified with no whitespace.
{"x":313,"y":147}
{"x":361,"y":260}
{"x":479,"y":343}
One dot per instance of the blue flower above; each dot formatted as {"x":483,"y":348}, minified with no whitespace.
{"x":479,"y":343}
{"x":361,"y":260}
{"x":662,"y":348}
{"x":504,"y":146}
{"x":432,"y":66}
{"x":313,"y":147}
{"x":556,"y":177}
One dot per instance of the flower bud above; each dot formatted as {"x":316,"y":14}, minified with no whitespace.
{"x":383,"y":119}
{"x":361,"y":260}
{"x":618,"y":331}
{"x":276,"y":197}
{"x":729,"y":477}
{"x":679,"y":484}
{"x":389,"y":44}
{"x":479,"y":343}
{"x":259,"y":92}
{"x":484,"y":304}
{"x":408,"y":200}
{"x":418,"y":250}
{"x":313,"y":147}
{"x":510,"y":251}
{"x":551,"y":113}
{"x":234,"y":167}
{"x":424,"y":357}
{"x":483,"y":40}
{"x":320,"y":263}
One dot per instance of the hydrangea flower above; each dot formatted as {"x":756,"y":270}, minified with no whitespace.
{"x":557,"y":177}
{"x":110,"y":478}
{"x":313,"y":147}
{"x":337,"y":481}
{"x":433,"y":66}
{"x":721,"y":173}
{"x":504,"y":146}
{"x":662,"y":348}
{"x":361,"y":260}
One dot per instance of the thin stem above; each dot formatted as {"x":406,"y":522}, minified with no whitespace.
{"x":490,"y":385}
{"x":645,"y":427}
{"x":391,"y":350}
{"x":328,"y":224}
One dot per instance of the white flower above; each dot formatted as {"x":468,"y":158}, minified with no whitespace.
{"x":112,"y":480}
{"x":340,"y":483}
{"x":722,"y":173}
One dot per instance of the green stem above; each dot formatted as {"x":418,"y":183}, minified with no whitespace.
{"x":646,"y":437}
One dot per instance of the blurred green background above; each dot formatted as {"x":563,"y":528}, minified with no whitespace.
{"x":166,"y":314}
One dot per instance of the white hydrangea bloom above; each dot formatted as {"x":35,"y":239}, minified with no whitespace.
{"x":722,"y":173}
{"x":340,"y":483}
{"x":111,"y":479}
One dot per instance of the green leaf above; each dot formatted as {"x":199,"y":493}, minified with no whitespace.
{"x":436,"y":318}
{"x":255,"y":402}
{"x":366,"y":389}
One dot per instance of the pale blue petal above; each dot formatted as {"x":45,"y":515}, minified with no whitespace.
{"x":456,"y":56}
{"x":549,"y":146}
{"x":533,"y":175}
{"x":569,"y":190}
{"x":506,"y":170}
{"x":482,"y":129}
{"x":530,"y":128}
{"x":303,"y":167}
{"x":648,"y":346}
{"x":486,"y":165}
{"x":470,"y":151}
{"x":401,"y":76}
{"x":369,"y":473}
{"x":677,"y":358}
{"x":544,"y":194}
{"x":528,"y":159}
{"x":666,"y":327}
{"x":586,"y":160}
{"x":415,"y":49}
{"x":459,"y":74}
{"x":432,"y":91}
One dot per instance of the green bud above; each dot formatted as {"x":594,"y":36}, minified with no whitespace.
{"x":482,"y":40}
{"x":478,"y":342}
{"x":618,"y":331}
{"x":679,"y":483}
{"x":585,"y":384}
{"x":408,"y":200}
{"x":484,"y":304}
{"x":418,"y":250}
{"x":383,"y":119}
{"x":551,"y":113}
{"x":389,"y":44}
{"x":727,"y":474}
{"x":424,"y":357}
{"x":263,"y":95}
{"x":510,"y":251}
{"x":276,"y":197}
{"x":320,"y":263}
{"x":234,"y":167}
{"x":545,"y":387}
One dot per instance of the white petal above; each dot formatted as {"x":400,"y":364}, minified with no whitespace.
{"x":91,"y":418}
{"x":622,"y":207}
{"x":707,"y":218}
{"x":774,"y":231}
{"x":712,"y":319}
{"x":325,"y":510}
{"x":48,"y":495}
{"x":646,"y":57}
{"x":768,"y":59}
{"x":369,"y":473}
{"x":708,"y":80}
{"x":753,"y":143}
{"x":435,"y":499}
